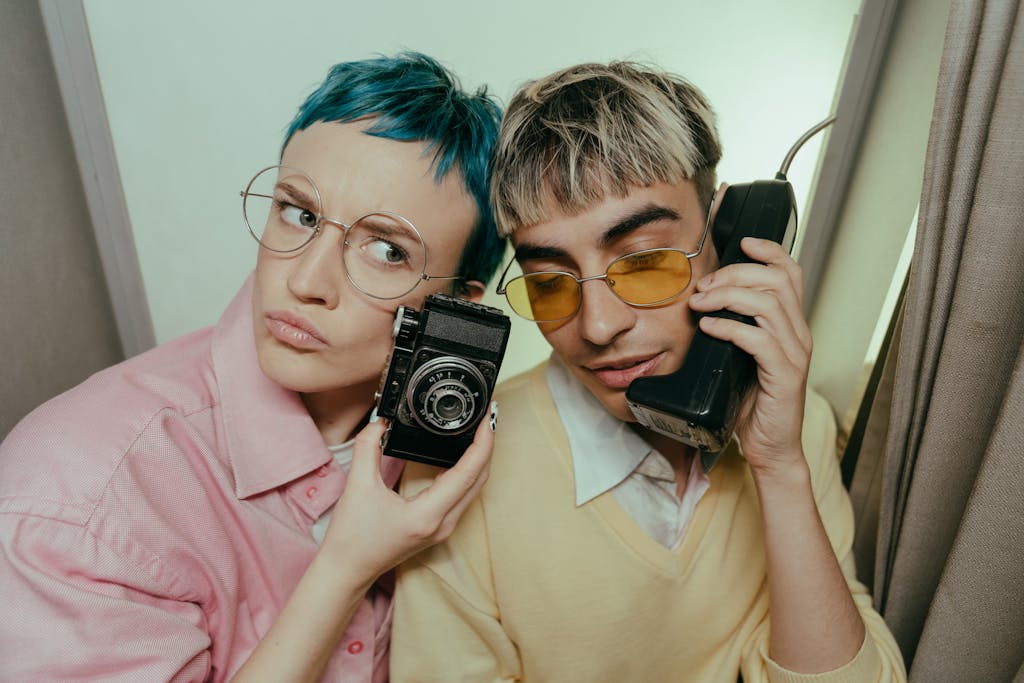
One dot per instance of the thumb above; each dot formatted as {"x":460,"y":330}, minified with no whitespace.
{"x":367,"y":453}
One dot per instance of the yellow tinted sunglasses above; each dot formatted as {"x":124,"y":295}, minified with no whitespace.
{"x":643,"y":278}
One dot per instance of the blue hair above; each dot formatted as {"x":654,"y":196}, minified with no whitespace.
{"x":413,"y":98}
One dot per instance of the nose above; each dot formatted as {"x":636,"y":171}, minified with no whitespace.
{"x":316,"y":272}
{"x":602,"y":315}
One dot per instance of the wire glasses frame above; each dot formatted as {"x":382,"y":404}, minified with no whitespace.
{"x":607,"y":276}
{"x":317,"y":229}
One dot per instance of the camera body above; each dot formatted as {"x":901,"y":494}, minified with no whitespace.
{"x":437,"y":383}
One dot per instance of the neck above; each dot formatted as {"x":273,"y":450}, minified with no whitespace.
{"x":679,"y":455}
{"x":340,"y":413}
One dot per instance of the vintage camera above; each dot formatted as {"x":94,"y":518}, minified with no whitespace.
{"x":437,"y":384}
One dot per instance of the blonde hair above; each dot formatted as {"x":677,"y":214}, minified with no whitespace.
{"x":595,"y":130}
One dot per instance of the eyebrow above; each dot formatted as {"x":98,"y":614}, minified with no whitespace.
{"x":295,"y":194}
{"x":386,"y":226}
{"x":527,"y":252}
{"x":630,"y":223}
{"x":645,"y":215}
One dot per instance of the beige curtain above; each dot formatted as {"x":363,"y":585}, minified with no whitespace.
{"x":946,"y":497}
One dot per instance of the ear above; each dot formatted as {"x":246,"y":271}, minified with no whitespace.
{"x":716,"y":200}
{"x":472,"y":290}
{"x":720,"y":233}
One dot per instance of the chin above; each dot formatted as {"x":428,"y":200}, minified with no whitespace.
{"x":292,"y":372}
{"x":616,"y":405}
{"x":289,"y":378}
{"x":624,"y":414}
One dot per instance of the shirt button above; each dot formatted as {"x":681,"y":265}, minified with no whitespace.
{"x":311,"y":491}
{"x":322,"y":472}
{"x":355,"y":647}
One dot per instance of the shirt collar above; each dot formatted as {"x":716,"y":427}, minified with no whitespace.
{"x":271,"y":439}
{"x":604,"y":449}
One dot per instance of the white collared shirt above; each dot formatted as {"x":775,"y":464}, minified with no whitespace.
{"x":607,"y":455}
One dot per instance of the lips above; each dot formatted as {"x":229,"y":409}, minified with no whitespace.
{"x":294,"y":330}
{"x":619,"y":373}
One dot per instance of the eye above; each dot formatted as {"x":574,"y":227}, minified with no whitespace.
{"x":644,"y":261}
{"x":297,"y":216}
{"x":385,"y":252}
{"x":547,"y":283}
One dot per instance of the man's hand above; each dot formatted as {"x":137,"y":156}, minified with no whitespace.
{"x":771,"y":292}
{"x":815,"y":624}
{"x":373,"y":528}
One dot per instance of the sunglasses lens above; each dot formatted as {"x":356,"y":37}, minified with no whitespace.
{"x":649,"y":277}
{"x":543,"y":296}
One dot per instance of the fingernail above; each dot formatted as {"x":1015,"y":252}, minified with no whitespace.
{"x":706,"y":280}
{"x":697,"y":296}
{"x":374,"y":416}
{"x":494,"y":415}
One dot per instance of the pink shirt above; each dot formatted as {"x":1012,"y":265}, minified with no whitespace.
{"x":155,"y":519}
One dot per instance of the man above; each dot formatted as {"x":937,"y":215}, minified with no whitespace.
{"x":601,"y":551}
{"x":167,"y":520}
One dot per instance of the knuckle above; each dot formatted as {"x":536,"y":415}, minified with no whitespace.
{"x":781,"y":279}
{"x":467,"y":485}
{"x":423,"y":530}
{"x":465,"y":479}
{"x":444,"y":531}
{"x":797,"y":280}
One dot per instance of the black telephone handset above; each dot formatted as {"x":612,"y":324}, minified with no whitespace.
{"x":698,"y":403}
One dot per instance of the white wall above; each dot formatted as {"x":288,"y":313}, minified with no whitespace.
{"x":199,"y":93}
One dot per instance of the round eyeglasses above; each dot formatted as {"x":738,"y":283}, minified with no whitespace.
{"x":650,"y":277}
{"x":383,"y":253}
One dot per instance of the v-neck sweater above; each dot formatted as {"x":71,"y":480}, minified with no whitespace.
{"x":533,"y":587}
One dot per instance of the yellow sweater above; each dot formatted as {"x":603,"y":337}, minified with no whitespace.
{"x":531,"y":587}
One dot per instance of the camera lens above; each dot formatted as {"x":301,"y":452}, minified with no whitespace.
{"x":450,"y":406}
{"x":446,"y":395}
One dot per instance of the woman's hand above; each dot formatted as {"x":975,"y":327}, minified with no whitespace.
{"x":373,"y":528}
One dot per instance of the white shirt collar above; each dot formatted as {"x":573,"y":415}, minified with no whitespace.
{"x":604,"y":449}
